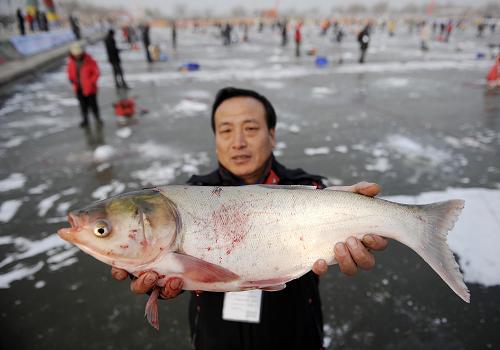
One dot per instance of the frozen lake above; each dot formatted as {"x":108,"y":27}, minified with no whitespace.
{"x":420,"y":125}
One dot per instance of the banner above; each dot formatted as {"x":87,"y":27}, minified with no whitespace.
{"x":28,"y":45}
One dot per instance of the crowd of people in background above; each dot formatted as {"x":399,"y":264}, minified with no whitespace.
{"x":428,"y":31}
{"x":35,"y":22}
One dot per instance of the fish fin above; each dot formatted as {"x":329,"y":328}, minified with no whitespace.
{"x":439,"y":218}
{"x":151,"y":311}
{"x":288,"y":187}
{"x":203,"y":271}
{"x":271,"y":284}
{"x":275,"y":288}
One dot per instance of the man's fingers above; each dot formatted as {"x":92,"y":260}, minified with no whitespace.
{"x":320,"y":267}
{"x":118,"y":274}
{"x":172,"y":288}
{"x":369,"y":189}
{"x":375,"y":242}
{"x":144,"y":283}
{"x":344,"y":258}
{"x":361,"y":256}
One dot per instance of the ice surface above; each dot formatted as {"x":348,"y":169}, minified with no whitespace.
{"x":14,"y":142}
{"x":157,"y":174}
{"x":316,"y":151}
{"x":13,"y":182}
{"x":341,"y":148}
{"x":8,"y":209}
{"x":381,"y":164}
{"x":103,"y":153}
{"x":124,"y":132}
{"x":47,"y":203}
{"x":272,"y":84}
{"x":114,"y":188}
{"x":190,"y":108}
{"x":20,"y":272}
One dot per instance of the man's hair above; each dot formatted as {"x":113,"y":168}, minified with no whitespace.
{"x":230,"y":92}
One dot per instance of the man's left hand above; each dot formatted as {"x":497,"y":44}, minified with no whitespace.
{"x":355,"y":253}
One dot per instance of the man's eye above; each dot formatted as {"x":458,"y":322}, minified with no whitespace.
{"x":225,"y":131}
{"x":252,"y":128}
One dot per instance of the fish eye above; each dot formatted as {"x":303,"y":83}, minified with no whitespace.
{"x":102,"y":228}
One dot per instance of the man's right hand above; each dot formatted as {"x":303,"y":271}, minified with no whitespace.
{"x":145,"y":282}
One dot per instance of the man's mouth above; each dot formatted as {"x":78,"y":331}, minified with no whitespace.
{"x":240,"y":159}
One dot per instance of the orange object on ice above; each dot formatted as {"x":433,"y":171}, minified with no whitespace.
{"x":494,"y":73}
{"x":125,"y":107}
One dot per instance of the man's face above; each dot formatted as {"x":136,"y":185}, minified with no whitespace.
{"x":243,"y":142}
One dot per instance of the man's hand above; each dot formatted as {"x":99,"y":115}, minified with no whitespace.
{"x":355,"y":253}
{"x":145,"y":282}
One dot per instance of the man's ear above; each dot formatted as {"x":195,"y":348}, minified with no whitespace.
{"x":272,"y":135}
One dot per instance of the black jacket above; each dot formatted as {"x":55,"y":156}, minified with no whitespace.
{"x":112,"y":50}
{"x":290,"y":319}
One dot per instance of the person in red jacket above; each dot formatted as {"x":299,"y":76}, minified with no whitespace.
{"x":493,"y":77}
{"x":298,"y":38}
{"x":83,"y":73}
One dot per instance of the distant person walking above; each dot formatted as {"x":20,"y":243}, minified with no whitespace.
{"x":284,"y":33}
{"x":364,"y":42}
{"x":146,"y":41}
{"x":114,"y":59}
{"x":20,"y":22}
{"x":449,"y":29}
{"x":44,"y":22}
{"x":75,"y":27}
{"x":425,"y":33}
{"x":298,"y":38}
{"x":226,"y":34}
{"x":174,"y":35}
{"x":83,"y":73}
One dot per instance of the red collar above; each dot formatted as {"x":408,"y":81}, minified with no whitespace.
{"x":272,"y":178}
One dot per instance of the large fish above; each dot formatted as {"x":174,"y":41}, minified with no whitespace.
{"x":248,"y":237}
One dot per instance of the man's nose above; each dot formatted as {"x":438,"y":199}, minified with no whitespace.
{"x":239,"y":140}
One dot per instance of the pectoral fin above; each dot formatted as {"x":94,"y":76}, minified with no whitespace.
{"x":203,"y":271}
{"x":151,"y":311}
{"x":275,"y":288}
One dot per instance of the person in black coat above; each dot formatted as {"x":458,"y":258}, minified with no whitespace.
{"x":364,"y":42}
{"x":114,"y":59}
{"x":20,"y":22}
{"x":146,"y":41}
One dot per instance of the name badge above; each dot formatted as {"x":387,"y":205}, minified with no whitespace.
{"x":242,"y":306}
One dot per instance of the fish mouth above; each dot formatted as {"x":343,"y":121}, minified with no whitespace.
{"x":67,"y":233}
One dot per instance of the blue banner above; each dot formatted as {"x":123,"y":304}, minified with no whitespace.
{"x":33,"y":44}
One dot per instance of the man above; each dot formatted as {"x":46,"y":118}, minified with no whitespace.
{"x":114,"y":59}
{"x":20,"y":22}
{"x":146,"y":41}
{"x":284,"y":32}
{"x":83,"y":73}
{"x":174,"y":35}
{"x":244,"y":125}
{"x":75,"y":27}
{"x":298,"y":38}
{"x":364,"y":41}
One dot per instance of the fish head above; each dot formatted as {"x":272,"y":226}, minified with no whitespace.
{"x":126,"y":231}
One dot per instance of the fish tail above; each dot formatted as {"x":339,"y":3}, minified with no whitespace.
{"x":439,"y":219}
